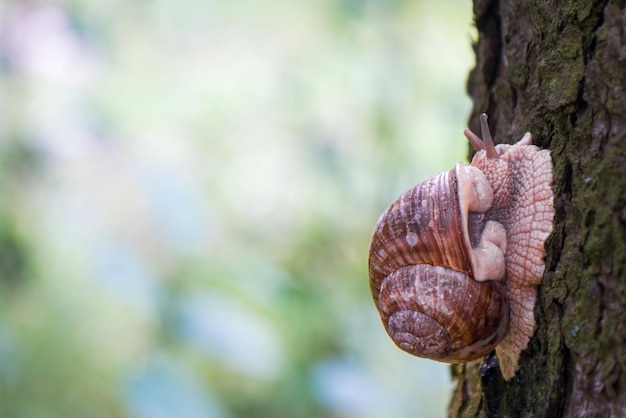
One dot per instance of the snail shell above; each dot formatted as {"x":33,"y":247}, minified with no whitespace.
{"x":421,"y":261}
{"x":455,"y":261}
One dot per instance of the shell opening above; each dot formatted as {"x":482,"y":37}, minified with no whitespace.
{"x":488,"y":262}
{"x":486,"y":241}
{"x":475,"y":226}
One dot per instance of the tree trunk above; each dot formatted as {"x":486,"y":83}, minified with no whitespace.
{"x":558,"y":70}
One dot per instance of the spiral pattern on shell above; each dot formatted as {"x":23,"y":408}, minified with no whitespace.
{"x":422,"y":276}
{"x":420,"y":305}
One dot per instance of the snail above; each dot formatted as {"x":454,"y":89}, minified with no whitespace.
{"x":455,"y":262}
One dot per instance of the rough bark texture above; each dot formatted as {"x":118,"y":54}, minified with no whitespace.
{"x":558,"y":70}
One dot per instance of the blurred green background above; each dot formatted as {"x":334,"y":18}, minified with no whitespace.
{"x":187,"y":193}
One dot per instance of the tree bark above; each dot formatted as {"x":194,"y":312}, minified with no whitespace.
{"x":558,"y":70}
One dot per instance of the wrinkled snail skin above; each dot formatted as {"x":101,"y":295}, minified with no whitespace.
{"x":455,"y":261}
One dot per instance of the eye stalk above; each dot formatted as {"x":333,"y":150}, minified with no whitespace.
{"x":486,"y":143}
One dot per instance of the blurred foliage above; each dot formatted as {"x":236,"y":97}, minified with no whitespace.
{"x":187,"y":192}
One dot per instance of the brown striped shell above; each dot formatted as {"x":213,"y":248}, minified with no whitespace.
{"x":421,"y":274}
{"x":455,"y":262}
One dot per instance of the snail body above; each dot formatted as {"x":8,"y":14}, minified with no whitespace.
{"x":455,"y":261}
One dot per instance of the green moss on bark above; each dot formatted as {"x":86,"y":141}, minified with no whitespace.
{"x":556,"y":69}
